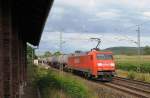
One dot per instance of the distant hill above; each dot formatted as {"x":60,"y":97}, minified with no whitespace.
{"x":124,"y":50}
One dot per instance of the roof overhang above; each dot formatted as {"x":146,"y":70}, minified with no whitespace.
{"x":30,"y":17}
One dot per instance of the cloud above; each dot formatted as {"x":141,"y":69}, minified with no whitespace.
{"x":107,"y":15}
{"x":147,"y":14}
{"x":81,"y":41}
{"x":96,"y":15}
{"x":57,"y":13}
{"x":140,"y":4}
{"x":108,"y":19}
{"x":76,"y":3}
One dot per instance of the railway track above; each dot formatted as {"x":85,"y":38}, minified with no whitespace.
{"x":135,"y":88}
{"x":133,"y":81}
{"x":132,"y":87}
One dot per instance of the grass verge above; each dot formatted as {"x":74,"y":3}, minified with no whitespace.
{"x":54,"y":85}
{"x":134,"y":75}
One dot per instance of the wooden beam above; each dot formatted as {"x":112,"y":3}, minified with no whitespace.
{"x":6,"y":38}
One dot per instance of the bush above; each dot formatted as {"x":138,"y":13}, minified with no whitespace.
{"x":49,"y":79}
{"x":144,"y":68}
{"x":139,"y":76}
{"x":131,"y":75}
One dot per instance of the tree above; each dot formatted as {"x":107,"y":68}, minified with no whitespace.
{"x":147,"y":50}
{"x":30,"y":54}
{"x":57,"y":53}
{"x":47,"y":54}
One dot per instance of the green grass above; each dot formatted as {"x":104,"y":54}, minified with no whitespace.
{"x":49,"y":81}
{"x":134,"y":75}
{"x":131,"y":63}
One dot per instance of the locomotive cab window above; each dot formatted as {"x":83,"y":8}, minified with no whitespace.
{"x":104,"y":56}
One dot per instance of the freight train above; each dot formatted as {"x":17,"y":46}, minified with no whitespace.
{"x":94,"y":64}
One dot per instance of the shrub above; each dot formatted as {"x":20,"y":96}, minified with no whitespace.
{"x":49,"y":79}
{"x":144,"y":68}
{"x":134,"y":75}
{"x":131,"y":75}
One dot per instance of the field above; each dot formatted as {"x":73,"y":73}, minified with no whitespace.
{"x":133,"y":67}
{"x":133,"y":63}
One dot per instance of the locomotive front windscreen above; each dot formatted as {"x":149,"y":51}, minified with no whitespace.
{"x":104,"y":56}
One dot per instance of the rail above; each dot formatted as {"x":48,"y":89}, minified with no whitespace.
{"x":132,"y":87}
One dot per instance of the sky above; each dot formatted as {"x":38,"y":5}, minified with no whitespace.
{"x":113,"y":21}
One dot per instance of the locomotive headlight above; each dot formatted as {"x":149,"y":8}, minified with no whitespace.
{"x":112,"y":64}
{"x":99,"y":64}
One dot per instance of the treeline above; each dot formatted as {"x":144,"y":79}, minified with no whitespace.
{"x":146,"y":50}
{"x":48,"y":54}
{"x":129,"y":50}
{"x":116,"y":50}
{"x":30,"y":54}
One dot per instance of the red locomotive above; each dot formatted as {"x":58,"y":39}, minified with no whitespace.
{"x":93,"y":64}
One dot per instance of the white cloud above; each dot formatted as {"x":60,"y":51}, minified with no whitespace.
{"x":57,"y":13}
{"x":76,"y":3}
{"x":81,"y":41}
{"x":58,"y":10}
{"x":107,"y":15}
{"x":96,"y":3}
{"x":140,"y":4}
{"x":126,"y":12}
{"x":146,"y":14}
{"x":50,"y":36}
{"x":86,"y":4}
